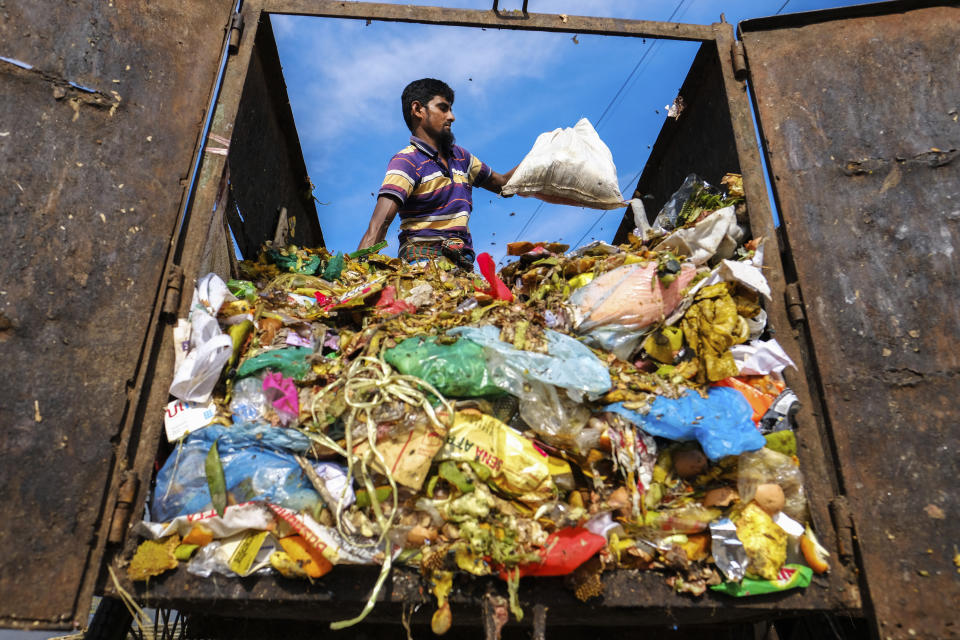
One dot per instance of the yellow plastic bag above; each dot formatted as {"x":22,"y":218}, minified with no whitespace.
{"x":517,"y":468}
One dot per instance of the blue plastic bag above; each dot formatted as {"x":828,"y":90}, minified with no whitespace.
{"x":258,"y":465}
{"x":567,"y":364}
{"x":721,"y":422}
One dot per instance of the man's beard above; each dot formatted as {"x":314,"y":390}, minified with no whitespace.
{"x":446,"y":142}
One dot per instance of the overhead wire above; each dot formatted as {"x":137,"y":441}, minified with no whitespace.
{"x":782,"y":7}
{"x":529,"y":220}
{"x":611,"y":104}
{"x":635,"y":68}
{"x":600,"y":217}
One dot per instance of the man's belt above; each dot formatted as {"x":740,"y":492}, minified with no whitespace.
{"x":454,"y":249}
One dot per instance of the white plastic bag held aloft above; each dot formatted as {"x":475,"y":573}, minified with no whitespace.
{"x":569,"y":166}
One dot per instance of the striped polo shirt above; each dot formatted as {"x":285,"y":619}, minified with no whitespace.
{"x":435,"y":202}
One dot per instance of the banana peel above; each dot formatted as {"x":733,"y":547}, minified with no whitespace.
{"x":441,"y":583}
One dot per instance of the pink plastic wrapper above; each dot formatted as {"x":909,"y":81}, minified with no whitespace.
{"x":282,"y":394}
{"x":630,"y":296}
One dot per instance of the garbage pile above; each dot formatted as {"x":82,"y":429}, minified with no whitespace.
{"x":574,"y":413}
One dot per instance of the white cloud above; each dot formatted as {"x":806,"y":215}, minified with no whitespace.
{"x":356,"y":72}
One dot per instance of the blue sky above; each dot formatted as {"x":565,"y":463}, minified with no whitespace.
{"x":344,"y":80}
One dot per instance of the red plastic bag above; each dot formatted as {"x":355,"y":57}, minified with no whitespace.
{"x":498,"y":290}
{"x":563,"y":552}
{"x":389,"y":305}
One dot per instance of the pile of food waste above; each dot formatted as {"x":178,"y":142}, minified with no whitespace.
{"x":574,"y":413}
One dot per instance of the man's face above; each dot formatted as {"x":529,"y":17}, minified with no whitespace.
{"x":436,"y":117}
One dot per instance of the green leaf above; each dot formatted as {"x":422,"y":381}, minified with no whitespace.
{"x":216,"y":480}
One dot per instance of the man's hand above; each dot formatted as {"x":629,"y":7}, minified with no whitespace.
{"x":496,"y":180}
{"x":383,"y":215}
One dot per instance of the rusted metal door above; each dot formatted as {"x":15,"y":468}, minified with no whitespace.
{"x":859,"y":115}
{"x":101,"y":107}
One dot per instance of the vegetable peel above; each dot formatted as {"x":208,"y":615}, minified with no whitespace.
{"x":813,"y":552}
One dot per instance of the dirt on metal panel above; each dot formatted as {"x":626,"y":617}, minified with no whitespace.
{"x":102,"y":107}
{"x":864,"y":148}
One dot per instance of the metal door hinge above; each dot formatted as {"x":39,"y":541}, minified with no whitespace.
{"x":174,"y":287}
{"x":236,"y":32}
{"x":844,"y":527}
{"x":739,"y":60}
{"x":124,"y":507}
{"x":794,"y":302}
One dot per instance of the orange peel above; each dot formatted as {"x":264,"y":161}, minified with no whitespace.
{"x":813,"y":552}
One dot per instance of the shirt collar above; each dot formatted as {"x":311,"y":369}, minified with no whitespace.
{"x":424,"y":146}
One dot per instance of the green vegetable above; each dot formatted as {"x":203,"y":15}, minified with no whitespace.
{"x":784,"y":442}
{"x":364,"y":252}
{"x":238,"y":334}
{"x":449,"y":472}
{"x":183,"y":552}
{"x":243,"y":289}
{"x":216,"y":480}
{"x":702,"y":200}
{"x":513,"y":588}
{"x":363,"y":498}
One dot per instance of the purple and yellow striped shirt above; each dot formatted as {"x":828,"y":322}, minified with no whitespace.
{"x":435,"y":202}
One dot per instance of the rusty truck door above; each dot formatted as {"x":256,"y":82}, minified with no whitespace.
{"x":101,"y":109}
{"x":858,"y":111}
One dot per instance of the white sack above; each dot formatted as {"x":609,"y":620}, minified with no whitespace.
{"x":569,"y":166}
{"x":717,"y":234}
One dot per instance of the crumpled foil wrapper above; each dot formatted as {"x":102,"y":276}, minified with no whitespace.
{"x":728,"y":551}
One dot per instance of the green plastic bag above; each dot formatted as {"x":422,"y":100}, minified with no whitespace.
{"x":458,"y":369}
{"x":294,"y":263}
{"x":291,"y":362}
{"x":791,"y":576}
{"x":334,"y":268}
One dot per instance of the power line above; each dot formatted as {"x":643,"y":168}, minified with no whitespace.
{"x":786,"y":2}
{"x":597,"y":221}
{"x":619,"y":91}
{"x":634,"y":70}
{"x":529,"y":220}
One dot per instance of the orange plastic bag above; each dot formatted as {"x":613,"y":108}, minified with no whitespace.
{"x":760,"y":392}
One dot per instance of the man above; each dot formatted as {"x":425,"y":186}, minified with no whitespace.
{"x":430,"y":182}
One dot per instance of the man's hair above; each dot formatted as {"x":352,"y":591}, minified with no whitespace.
{"x":422,"y":91}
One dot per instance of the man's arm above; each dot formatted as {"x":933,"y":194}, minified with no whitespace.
{"x":496,"y":180}
{"x":383,"y":215}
